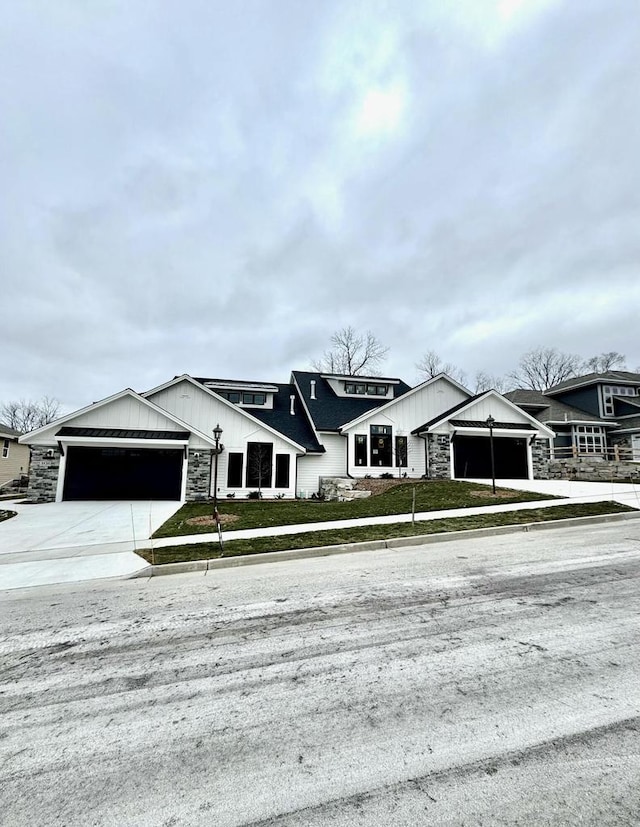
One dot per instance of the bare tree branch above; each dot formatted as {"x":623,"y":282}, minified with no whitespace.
{"x":430,"y":364}
{"x":488,"y":381}
{"x":352,"y":354}
{"x":27,"y":415}
{"x":545,"y":367}
{"x":604,"y":362}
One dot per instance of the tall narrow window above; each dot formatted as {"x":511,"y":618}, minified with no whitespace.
{"x":282,"y":470}
{"x":259,"y":464}
{"x":234,"y":471}
{"x":381,"y":453}
{"x":5,"y":449}
{"x":401,"y":451}
{"x":361,"y":449}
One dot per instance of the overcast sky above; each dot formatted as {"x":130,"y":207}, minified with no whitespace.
{"x":213,"y":188}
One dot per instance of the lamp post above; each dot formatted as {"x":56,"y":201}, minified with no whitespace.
{"x":217,"y":433}
{"x":491,"y":422}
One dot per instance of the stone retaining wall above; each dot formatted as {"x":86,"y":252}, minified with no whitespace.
{"x":593,"y":469}
{"x":341,"y":489}
{"x":43,"y":474}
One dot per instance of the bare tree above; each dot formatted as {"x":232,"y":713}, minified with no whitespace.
{"x":430,"y":364}
{"x":604,"y":362}
{"x":352,"y":354}
{"x":487,"y":381}
{"x":28,"y":415}
{"x":545,"y":367}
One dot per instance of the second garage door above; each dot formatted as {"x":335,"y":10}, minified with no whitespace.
{"x":472,"y":457}
{"x":123,"y":474}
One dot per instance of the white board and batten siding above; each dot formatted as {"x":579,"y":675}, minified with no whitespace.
{"x":203,"y":411}
{"x":333,"y":463}
{"x":409,"y":412}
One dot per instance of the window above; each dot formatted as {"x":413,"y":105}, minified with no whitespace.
{"x":381,"y":446}
{"x":589,"y":439}
{"x":282,"y":470}
{"x":401,"y":451}
{"x":361,"y":388}
{"x":234,"y":471}
{"x":361,"y":449}
{"x":5,"y":449}
{"x":259,"y":462}
{"x":254,"y":398}
{"x":244,"y":398}
{"x":609,"y":391}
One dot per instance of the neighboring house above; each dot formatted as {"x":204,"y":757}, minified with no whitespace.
{"x":14,"y":457}
{"x":597,"y":414}
{"x":278,"y":438}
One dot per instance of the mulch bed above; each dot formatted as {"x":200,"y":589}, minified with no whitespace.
{"x":207,"y":519}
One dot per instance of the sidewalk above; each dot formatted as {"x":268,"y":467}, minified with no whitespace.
{"x":39,"y":551}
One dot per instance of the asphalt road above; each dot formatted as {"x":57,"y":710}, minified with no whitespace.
{"x":492,"y":681}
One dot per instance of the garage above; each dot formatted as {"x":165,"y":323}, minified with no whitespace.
{"x":472,"y":457}
{"x":151,"y":469}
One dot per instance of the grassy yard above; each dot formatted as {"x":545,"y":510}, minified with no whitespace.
{"x":433,"y":495}
{"x":233,"y":548}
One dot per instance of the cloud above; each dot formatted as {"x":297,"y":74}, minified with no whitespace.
{"x":215,"y":189}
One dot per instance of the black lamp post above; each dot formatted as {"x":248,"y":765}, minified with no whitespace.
{"x":491,"y":422}
{"x":217,"y":433}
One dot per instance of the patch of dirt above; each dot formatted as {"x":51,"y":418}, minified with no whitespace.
{"x":380,"y":486}
{"x":206,"y":519}
{"x":499,"y":495}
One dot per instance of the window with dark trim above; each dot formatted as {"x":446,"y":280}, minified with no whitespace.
{"x":5,"y":449}
{"x":401,"y":452}
{"x":361,"y":449}
{"x":234,"y":470}
{"x":259,"y":464}
{"x":254,"y":398}
{"x":381,"y":446}
{"x":282,"y":470}
{"x":361,"y":388}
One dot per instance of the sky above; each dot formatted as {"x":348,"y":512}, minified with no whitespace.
{"x":214,"y":188}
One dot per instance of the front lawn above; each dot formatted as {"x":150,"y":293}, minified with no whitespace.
{"x":311,"y":539}
{"x":433,"y":495}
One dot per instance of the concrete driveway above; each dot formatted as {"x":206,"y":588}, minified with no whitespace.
{"x":70,"y":541}
{"x":622,"y":492}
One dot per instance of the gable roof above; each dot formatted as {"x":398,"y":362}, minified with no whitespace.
{"x":611,"y":377}
{"x":468,"y":403}
{"x":199,"y":383}
{"x":108,"y":400}
{"x":330,"y":412}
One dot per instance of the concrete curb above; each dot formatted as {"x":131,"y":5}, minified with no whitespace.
{"x":373,"y":545}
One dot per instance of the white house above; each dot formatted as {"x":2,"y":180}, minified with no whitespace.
{"x":280,"y":439}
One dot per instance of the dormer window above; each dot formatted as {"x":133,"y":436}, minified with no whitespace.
{"x":365,"y":389}
{"x":244,"y":398}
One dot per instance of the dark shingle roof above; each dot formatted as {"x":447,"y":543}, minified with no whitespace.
{"x":609,"y":376}
{"x":296,"y":427}
{"x":329,"y":411}
{"x":122,"y":433}
{"x":554,"y":410}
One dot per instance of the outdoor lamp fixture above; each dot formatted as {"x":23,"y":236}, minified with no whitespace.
{"x":490,"y":423}
{"x":217,"y":433}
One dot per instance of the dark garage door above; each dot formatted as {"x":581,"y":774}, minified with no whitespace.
{"x":472,"y":457}
{"x":123,"y":474}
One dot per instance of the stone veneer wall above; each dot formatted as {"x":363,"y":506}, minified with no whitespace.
{"x":439,"y":465}
{"x":593,"y":469}
{"x":198,"y":475}
{"x":540,"y":459}
{"x":43,"y":474}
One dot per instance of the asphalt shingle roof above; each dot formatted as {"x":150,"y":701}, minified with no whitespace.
{"x":6,"y":431}
{"x":614,"y":377}
{"x":296,"y":427}
{"x":555,"y":411}
{"x":121,"y":433}
{"x":447,"y":414}
{"x":330,"y":412}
